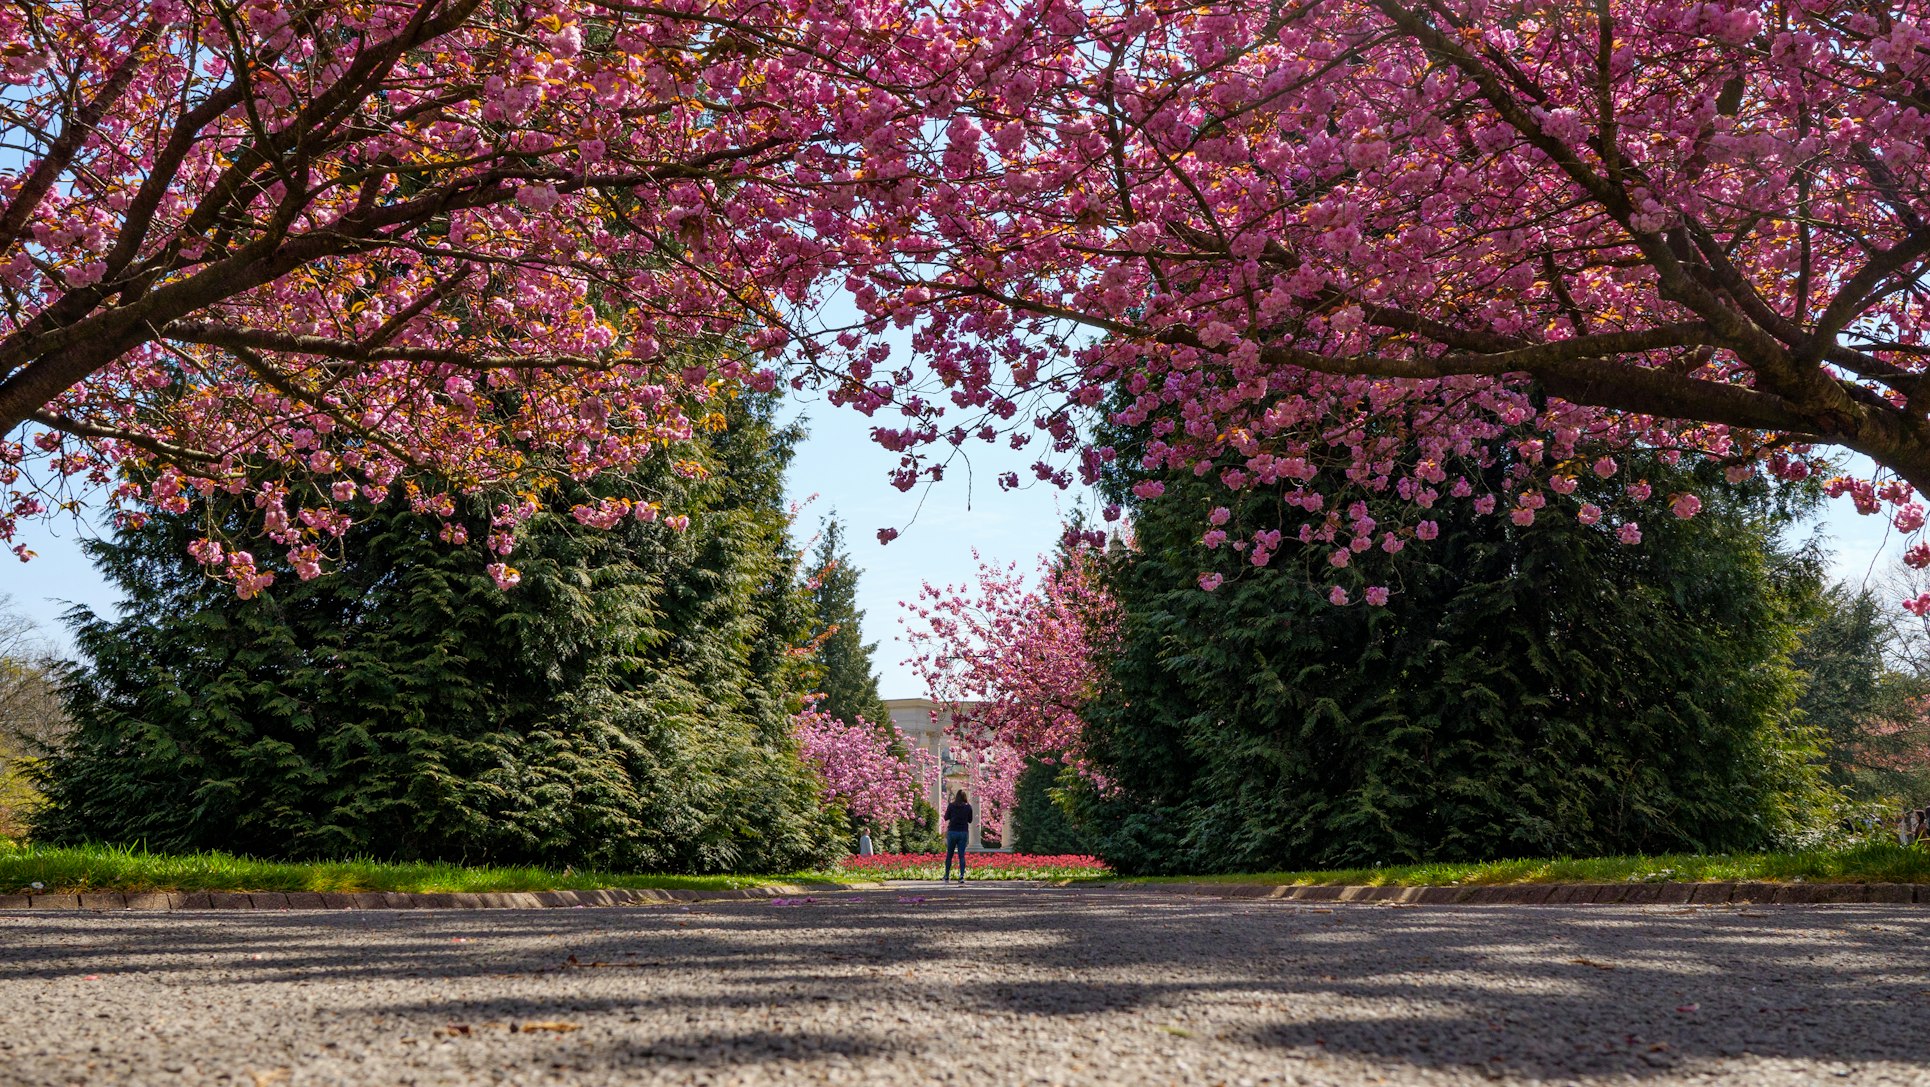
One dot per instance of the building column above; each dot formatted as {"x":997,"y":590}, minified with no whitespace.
{"x":972,"y":840}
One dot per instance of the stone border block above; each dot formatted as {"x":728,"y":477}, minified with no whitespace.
{"x":151,"y":900}
{"x":103,"y":902}
{"x":1753,"y":892}
{"x":1532,"y":894}
{"x":15,"y":902}
{"x":55,"y":902}
{"x":304,"y":900}
{"x":1675,"y":894}
{"x":1642,"y":894}
{"x":1711,"y":893}
{"x":230,"y":900}
{"x":270,"y":900}
{"x":1890,"y":892}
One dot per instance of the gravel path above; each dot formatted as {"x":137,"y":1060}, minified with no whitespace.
{"x":981,"y":986}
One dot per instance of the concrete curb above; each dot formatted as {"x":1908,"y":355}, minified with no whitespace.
{"x":1504,"y":894}
{"x":388,"y":900}
{"x":1571,"y":894}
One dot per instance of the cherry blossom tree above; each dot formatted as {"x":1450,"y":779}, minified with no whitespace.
{"x":858,"y":763}
{"x":313,"y":252}
{"x":1014,"y":665}
{"x":1338,"y":247}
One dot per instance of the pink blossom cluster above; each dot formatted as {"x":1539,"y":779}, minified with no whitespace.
{"x":1351,"y":251}
{"x":858,"y":766}
{"x":1015,"y":665}
{"x":1354,"y":251}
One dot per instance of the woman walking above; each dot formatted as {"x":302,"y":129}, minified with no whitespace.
{"x":958,"y":831}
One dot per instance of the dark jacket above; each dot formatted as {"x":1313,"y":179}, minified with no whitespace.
{"x":958,"y":817}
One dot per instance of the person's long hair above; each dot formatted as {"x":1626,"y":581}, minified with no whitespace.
{"x":959,"y":797}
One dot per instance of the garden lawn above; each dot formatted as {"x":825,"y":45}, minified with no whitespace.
{"x":109,"y":869}
{"x":1876,"y":862}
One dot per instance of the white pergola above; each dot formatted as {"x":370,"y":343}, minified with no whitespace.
{"x":924,"y":722}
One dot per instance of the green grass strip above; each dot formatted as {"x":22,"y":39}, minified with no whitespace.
{"x":114,"y":869}
{"x":1876,"y":862}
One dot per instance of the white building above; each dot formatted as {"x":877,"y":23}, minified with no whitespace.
{"x":923,"y":722}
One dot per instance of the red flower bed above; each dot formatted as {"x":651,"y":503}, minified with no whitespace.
{"x":978,"y":866}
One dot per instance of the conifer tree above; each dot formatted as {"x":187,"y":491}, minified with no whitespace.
{"x":625,"y":706}
{"x":1529,"y":689}
{"x":844,"y":673}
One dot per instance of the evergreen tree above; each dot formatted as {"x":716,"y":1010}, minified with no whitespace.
{"x":625,"y":707}
{"x":843,"y":670}
{"x":1864,"y":692}
{"x":1039,"y":823}
{"x":1532,"y":691}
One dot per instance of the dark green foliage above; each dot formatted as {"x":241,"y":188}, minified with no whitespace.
{"x":919,"y":834}
{"x":625,"y":707}
{"x":1530,"y":691}
{"x":841,"y":669}
{"x":1039,"y":824}
{"x":841,"y":672}
{"x":1864,"y":694}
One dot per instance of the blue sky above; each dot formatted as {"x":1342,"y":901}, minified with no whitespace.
{"x":848,"y":474}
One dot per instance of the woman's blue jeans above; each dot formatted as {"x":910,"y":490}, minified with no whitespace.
{"x":955,"y":843}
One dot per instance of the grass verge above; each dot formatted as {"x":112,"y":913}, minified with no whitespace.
{"x":112,"y":869}
{"x":1875,"y":862}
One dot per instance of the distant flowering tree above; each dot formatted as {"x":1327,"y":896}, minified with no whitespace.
{"x":1015,"y":665}
{"x":860,"y":765}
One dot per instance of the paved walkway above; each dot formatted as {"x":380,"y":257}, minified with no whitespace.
{"x":981,"y":987}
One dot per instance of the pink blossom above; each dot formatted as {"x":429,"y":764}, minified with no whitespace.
{"x":1427,"y":530}
{"x":1685,"y":506}
{"x":1639,"y":491}
{"x":1629,"y":533}
{"x":1211,"y":581}
{"x":856,"y":767}
{"x":1377,"y":595}
{"x":1337,"y":596}
{"x":1589,"y":513}
{"x":1017,"y":664}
